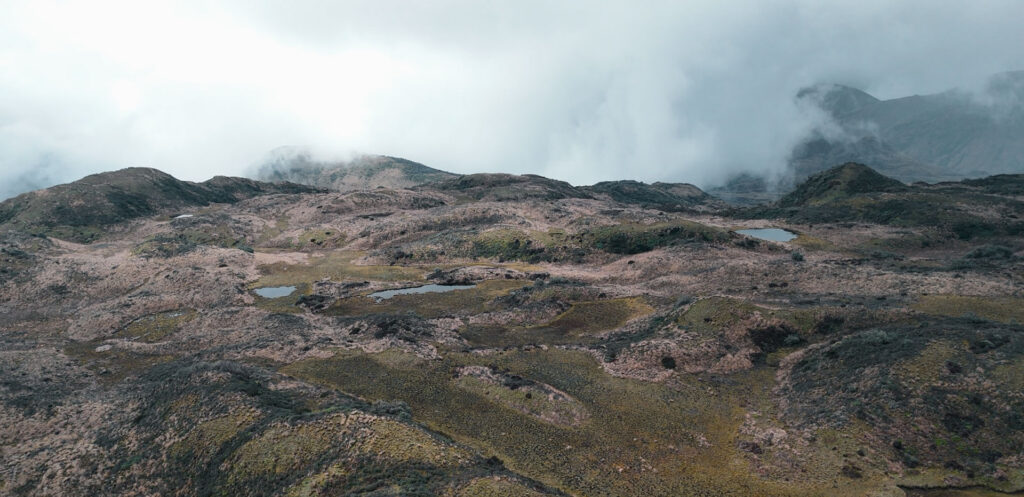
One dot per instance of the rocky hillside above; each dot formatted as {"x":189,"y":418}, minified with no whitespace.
{"x":840,"y":183}
{"x":506,"y":187}
{"x":987,"y":207}
{"x":501,"y":335}
{"x":662,"y":196}
{"x":79,"y":210}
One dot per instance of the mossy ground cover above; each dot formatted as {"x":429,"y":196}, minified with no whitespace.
{"x":526,"y":396}
{"x":336,"y":265}
{"x":339,"y":265}
{"x":922,"y":389}
{"x":321,"y":238}
{"x":233,"y":433}
{"x":900,"y":245}
{"x":585,"y":318}
{"x":708,"y":316}
{"x":271,"y":232}
{"x":578,"y":325}
{"x":506,"y":244}
{"x":180,"y":242}
{"x":642,"y":439}
{"x":634,"y":238}
{"x":909,"y":209}
{"x":558,"y":245}
{"x":115,"y":364}
{"x":156,"y":327}
{"x":813,"y":243}
{"x":77,"y":234}
{"x":1002,"y":309}
{"x":208,"y":436}
{"x":948,"y":492}
{"x":351,"y":454}
{"x":495,"y":487}
{"x":283,"y":449}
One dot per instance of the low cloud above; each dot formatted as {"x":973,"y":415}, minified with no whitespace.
{"x":580,"y":91}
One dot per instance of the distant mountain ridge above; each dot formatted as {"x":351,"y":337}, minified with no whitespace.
{"x":506,"y":187}
{"x":378,"y":171}
{"x":658,"y":195}
{"x":364,"y":172}
{"x":946,"y":136}
{"x":857,"y":193}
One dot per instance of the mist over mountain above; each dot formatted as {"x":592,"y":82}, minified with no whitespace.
{"x":677,"y":92}
{"x":944,"y":136}
{"x":360,"y":172}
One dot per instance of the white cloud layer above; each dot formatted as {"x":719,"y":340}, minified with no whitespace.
{"x":577,"y":90}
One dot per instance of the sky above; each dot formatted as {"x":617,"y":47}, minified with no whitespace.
{"x":582,"y":91}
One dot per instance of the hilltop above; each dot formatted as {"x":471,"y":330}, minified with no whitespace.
{"x":360,"y":173}
{"x":663,"y":196}
{"x":79,"y":210}
{"x":855,"y":192}
{"x":840,"y":183}
{"x":506,"y":187}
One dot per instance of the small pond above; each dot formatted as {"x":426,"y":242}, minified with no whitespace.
{"x":387,"y":294}
{"x":770,"y":234}
{"x":273,"y":292}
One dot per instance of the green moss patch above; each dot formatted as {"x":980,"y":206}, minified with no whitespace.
{"x":156,"y":327}
{"x":1003,"y":309}
{"x":578,"y":325}
{"x":710,"y":315}
{"x":497,"y":487}
{"x":114,"y":364}
{"x":557,"y":245}
{"x":600,"y":315}
{"x":632,"y":238}
{"x":321,"y":238}
{"x":526,"y":396}
{"x":924,"y":385}
{"x":164,"y":245}
{"x":207,"y":438}
{"x":635,"y":429}
{"x":336,"y":265}
{"x":284,"y":449}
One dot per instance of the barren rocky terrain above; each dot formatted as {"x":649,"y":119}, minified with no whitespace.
{"x":620,"y":339}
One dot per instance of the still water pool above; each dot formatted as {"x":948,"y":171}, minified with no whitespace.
{"x":387,"y":294}
{"x":770,"y":234}
{"x":273,"y":292}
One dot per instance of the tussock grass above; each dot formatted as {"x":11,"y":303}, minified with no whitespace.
{"x":578,"y":325}
{"x":336,"y":265}
{"x":641,"y":435}
{"x":600,"y":315}
{"x":496,"y":487}
{"x":115,"y":364}
{"x":1002,"y":309}
{"x":156,"y":327}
